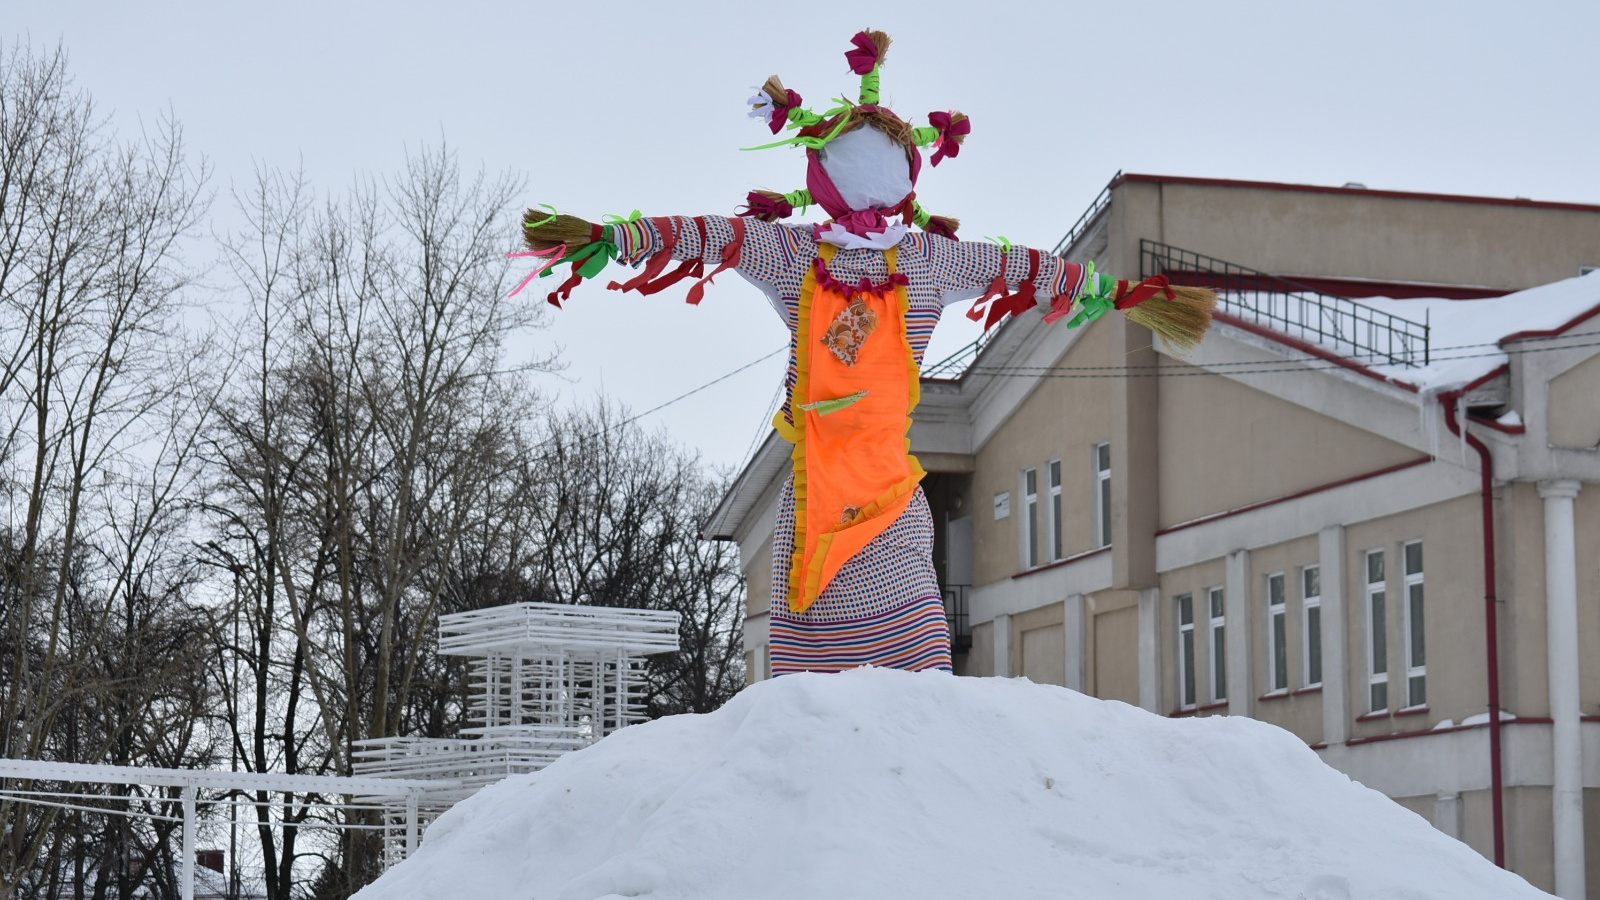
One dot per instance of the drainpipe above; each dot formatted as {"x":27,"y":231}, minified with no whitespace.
{"x":1491,"y":631}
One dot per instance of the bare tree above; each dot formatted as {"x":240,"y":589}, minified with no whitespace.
{"x":617,"y":523}
{"x":97,"y":414}
{"x":375,"y":417}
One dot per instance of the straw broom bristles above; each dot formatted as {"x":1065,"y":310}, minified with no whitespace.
{"x":564,"y":229}
{"x":1182,"y":320}
{"x":881,"y":40}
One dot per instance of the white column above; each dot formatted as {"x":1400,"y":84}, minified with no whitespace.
{"x":187,"y":868}
{"x":1241,"y":647}
{"x":1150,"y":649}
{"x":1561,"y":612}
{"x":1072,"y":625}
{"x":1447,"y":813}
{"x":1335,"y":668}
{"x":1002,"y":646}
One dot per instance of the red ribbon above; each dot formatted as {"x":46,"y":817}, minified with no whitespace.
{"x":1144,"y":290}
{"x":762,"y":207}
{"x":864,"y":58}
{"x":940,"y":226}
{"x":730,"y":258}
{"x":997,"y":290}
{"x":949,"y":130}
{"x":780,"y":109}
{"x":1020,"y":302}
{"x":1061,"y":304}
{"x":564,"y":292}
{"x":865,"y":286}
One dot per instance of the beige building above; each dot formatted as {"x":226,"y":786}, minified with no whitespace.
{"x":1286,"y":524}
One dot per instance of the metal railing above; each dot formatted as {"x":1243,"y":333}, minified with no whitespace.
{"x":1101,"y":201}
{"x":955,"y":365}
{"x":1344,"y":326}
{"x":955,"y":613}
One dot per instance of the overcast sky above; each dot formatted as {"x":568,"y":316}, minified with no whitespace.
{"x":608,"y":107}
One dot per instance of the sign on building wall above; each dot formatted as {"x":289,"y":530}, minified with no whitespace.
{"x":1002,"y":505}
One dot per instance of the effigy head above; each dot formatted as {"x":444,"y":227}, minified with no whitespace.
{"x":862,"y":160}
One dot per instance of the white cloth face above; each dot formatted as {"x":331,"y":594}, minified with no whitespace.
{"x":870,"y":170}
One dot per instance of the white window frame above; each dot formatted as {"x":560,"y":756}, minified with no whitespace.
{"x":1277,"y":633}
{"x":1216,"y":604}
{"x":1377,"y":613}
{"x":1311,"y":603}
{"x":1415,"y":636}
{"x":1102,"y":494}
{"x":1053,"y":482}
{"x":1029,"y":520}
{"x":1188,"y":683}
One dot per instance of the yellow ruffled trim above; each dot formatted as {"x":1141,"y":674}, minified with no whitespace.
{"x":796,"y":433}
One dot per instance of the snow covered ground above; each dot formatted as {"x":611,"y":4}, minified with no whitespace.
{"x":883,"y":784}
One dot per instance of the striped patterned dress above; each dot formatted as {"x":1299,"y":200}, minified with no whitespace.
{"x":884,"y":607}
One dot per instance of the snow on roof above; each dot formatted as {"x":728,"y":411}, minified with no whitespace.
{"x":1465,"y":334}
{"x":884,"y":784}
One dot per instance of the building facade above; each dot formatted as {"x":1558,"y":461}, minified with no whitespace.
{"x":1367,"y":521}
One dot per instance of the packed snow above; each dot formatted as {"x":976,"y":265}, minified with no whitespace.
{"x":1465,"y":334}
{"x":883,"y":784}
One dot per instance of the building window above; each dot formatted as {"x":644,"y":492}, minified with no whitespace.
{"x":1311,"y":593}
{"x":1416,"y":646}
{"x":1055,"y":509}
{"x":1377,"y":635}
{"x":1102,"y":495}
{"x":1277,"y":635}
{"x":1219,"y":647}
{"x":1186,"y":650}
{"x":1030,"y":518}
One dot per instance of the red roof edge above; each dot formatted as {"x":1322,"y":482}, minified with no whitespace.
{"x":1559,"y":330}
{"x":1366,"y":192}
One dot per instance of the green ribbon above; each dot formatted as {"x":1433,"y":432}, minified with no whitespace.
{"x":590,"y":259}
{"x":800,"y":117}
{"x":925,"y":135}
{"x":1095,"y":300}
{"x":543,"y":222}
{"x":618,"y":220}
{"x":823,"y":407}
{"x":869,"y":88}
{"x":812,"y":142}
{"x":1002,"y":240}
{"x":800,"y":198}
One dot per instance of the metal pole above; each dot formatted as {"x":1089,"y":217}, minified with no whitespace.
{"x":188,"y":841}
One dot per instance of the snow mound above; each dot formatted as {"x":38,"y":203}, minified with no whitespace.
{"x":883,"y":784}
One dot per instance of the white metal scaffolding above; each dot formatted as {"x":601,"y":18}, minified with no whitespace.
{"x":547,"y":679}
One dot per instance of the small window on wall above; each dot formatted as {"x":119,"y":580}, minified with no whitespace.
{"x":1219,"y":646}
{"x":1030,"y":518}
{"x":1186,"y":679}
{"x":1055,"y":509}
{"x":1277,"y":635}
{"x":1416,"y":647}
{"x":1102,"y":495}
{"x":1311,"y":594}
{"x":1377,"y":634}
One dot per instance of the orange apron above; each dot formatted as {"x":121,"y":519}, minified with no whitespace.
{"x":853,"y":471}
